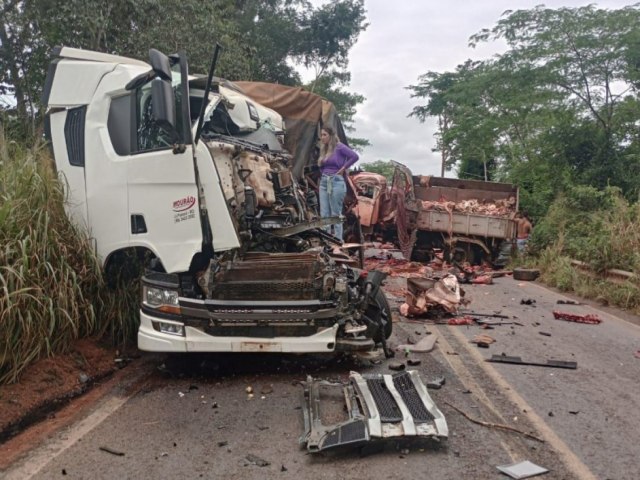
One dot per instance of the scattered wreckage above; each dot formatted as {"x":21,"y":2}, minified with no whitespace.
{"x":379,"y":407}
{"x":468,"y":220}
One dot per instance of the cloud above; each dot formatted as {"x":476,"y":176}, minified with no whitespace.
{"x":404,"y":40}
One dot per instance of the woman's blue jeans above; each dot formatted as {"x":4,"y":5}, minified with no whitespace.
{"x":332,"y":192}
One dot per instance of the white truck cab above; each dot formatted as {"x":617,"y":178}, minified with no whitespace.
{"x":192,"y":172}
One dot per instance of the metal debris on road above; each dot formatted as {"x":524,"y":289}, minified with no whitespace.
{"x":520,"y":470}
{"x":111,"y":451}
{"x":493,"y":323}
{"x":546,"y":334}
{"x":492,"y":315}
{"x":494,"y":425}
{"x":591,"y":319}
{"x":396,"y":366}
{"x":380,"y":407}
{"x":518,"y":361}
{"x":251,"y":459}
{"x":425,"y":345}
{"x":436,"y":384}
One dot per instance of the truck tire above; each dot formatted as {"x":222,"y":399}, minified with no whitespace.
{"x":526,"y":274}
{"x":385,"y":314}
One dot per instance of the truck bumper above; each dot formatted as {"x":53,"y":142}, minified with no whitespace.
{"x":195,"y":340}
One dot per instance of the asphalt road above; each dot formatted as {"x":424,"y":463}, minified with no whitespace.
{"x":194,"y":418}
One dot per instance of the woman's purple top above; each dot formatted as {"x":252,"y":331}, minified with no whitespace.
{"x":342,"y":157}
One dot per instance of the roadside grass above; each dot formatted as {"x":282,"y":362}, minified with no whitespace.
{"x":597,"y":227}
{"x":52,"y":291}
{"x":556,"y":270}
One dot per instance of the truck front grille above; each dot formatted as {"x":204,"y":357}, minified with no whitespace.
{"x":387,"y":406}
{"x":261,"y":276}
{"x":411,"y":398}
{"x":271,"y":289}
{"x":262,"y":332}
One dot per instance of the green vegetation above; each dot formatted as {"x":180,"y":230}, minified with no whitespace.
{"x":261,"y":41}
{"x":556,"y":114}
{"x":380,"y":167}
{"x":599,"y":228}
{"x":51,"y":287}
{"x":558,"y":108}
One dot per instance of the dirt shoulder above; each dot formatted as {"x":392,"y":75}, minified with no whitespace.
{"x":48,"y":384}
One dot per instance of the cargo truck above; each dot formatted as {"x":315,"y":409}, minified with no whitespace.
{"x":191,"y":175}
{"x":466,"y":220}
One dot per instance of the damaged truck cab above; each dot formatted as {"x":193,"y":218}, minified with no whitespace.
{"x":192,"y":173}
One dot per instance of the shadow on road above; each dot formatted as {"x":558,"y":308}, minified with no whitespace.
{"x":216,"y":366}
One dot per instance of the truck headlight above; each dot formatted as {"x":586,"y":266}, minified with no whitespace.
{"x":161,"y":299}
{"x":169,"y":327}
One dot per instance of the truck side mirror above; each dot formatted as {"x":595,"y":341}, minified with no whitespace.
{"x":160,"y":64}
{"x":160,"y":68}
{"x":164,"y":107}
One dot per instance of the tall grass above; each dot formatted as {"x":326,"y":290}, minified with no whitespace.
{"x":600,"y":228}
{"x":51,"y":286}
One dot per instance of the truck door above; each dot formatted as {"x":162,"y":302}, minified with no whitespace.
{"x":162,"y":191}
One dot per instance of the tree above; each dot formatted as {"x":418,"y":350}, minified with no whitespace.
{"x":381,"y":167}
{"x":328,"y":34}
{"x":262,"y":40}
{"x":20,"y":49}
{"x":555,"y":109}
{"x":588,"y":56}
{"x":345,"y":103}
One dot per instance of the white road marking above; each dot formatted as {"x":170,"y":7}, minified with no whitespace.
{"x":571,"y":461}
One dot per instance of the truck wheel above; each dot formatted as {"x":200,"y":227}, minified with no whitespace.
{"x":385,"y":315}
{"x":526,"y":274}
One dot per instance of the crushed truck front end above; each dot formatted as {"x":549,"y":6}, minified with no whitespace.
{"x":284,"y":302}
{"x":284,"y":289}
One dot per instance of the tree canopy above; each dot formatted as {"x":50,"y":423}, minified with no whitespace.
{"x":559,"y":107}
{"x":381,"y":167}
{"x":262,"y":40}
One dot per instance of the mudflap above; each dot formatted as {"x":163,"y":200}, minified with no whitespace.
{"x":380,"y":407}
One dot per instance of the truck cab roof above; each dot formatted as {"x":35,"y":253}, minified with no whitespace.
{"x":80,"y":54}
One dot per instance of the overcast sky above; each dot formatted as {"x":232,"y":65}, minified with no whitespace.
{"x":405,"y":39}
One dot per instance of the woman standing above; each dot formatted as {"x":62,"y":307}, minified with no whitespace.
{"x":335,"y":158}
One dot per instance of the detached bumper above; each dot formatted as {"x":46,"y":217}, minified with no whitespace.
{"x":197,"y":340}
